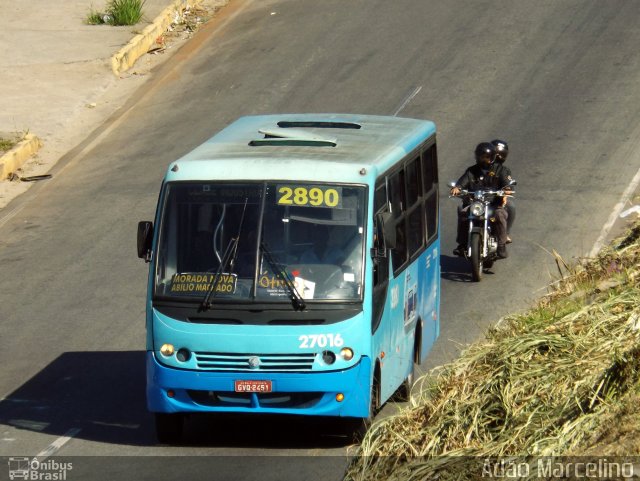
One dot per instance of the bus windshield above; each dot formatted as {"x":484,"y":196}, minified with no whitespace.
{"x":253,"y":242}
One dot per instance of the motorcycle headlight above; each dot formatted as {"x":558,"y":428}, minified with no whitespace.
{"x":477,"y":209}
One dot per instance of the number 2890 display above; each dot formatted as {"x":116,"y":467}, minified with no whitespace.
{"x":309,"y":196}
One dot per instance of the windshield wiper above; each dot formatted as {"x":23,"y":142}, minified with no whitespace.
{"x":280,"y":271}
{"x":228,"y":259}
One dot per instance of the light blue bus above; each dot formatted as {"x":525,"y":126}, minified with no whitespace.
{"x":294,"y":268}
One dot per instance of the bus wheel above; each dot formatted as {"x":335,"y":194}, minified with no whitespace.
{"x":169,"y":427}
{"x":358,"y":427}
{"x":404,"y":392}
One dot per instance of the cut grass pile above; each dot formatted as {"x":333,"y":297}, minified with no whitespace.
{"x":559,"y":380}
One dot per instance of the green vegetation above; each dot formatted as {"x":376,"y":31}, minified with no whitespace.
{"x":560,"y":380}
{"x":9,"y":141}
{"x":95,"y":18}
{"x":6,"y":144}
{"x":118,"y":12}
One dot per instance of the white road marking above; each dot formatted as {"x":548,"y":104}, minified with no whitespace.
{"x":408,"y":99}
{"x":635,"y":208}
{"x":631,"y":188}
{"x":57,"y":444}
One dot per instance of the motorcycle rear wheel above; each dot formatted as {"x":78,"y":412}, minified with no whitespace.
{"x":476,"y":257}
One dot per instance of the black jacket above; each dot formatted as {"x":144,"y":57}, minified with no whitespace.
{"x":495,"y":178}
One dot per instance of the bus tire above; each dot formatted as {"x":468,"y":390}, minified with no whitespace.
{"x":169,"y":427}
{"x":404,"y":392}
{"x":476,"y":257}
{"x":358,"y":427}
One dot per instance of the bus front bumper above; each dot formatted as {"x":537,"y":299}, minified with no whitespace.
{"x":172,"y":390}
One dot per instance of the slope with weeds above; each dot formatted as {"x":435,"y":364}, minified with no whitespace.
{"x":550,"y":382}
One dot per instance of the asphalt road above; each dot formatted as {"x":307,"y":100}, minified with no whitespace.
{"x":557,"y":79}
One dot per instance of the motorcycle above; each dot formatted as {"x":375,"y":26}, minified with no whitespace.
{"x":482,"y":242}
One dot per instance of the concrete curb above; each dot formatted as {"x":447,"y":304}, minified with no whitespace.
{"x":124,"y":59}
{"x":18,"y":155}
{"x":142,"y":43}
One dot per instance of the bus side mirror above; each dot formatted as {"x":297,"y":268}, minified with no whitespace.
{"x":389,"y":227}
{"x":145,"y":237}
{"x":385,"y":235}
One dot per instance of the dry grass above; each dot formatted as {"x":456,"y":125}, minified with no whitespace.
{"x":550,"y":382}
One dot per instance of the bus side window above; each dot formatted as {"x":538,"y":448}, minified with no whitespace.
{"x":380,"y":279}
{"x":398,"y":198}
{"x":414,"y":182}
{"x":416,"y":230}
{"x":430,"y":185}
{"x":431,"y":213}
{"x":380,"y":198}
{"x":380,"y":271}
{"x":429,"y":168}
{"x":399,"y":254}
{"x":415,"y":217}
{"x":397,"y":194}
{"x":380,"y":265}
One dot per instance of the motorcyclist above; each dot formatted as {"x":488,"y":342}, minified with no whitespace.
{"x":488,"y":175}
{"x":502,"y":151}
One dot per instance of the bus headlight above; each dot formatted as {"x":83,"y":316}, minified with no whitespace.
{"x":167,"y":350}
{"x":477,"y":209}
{"x":346,"y":353}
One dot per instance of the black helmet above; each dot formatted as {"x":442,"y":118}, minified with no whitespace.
{"x":483,"y":150}
{"x":502,"y":150}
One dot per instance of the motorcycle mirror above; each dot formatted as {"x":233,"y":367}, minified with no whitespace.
{"x":513,"y":182}
{"x":452,"y":184}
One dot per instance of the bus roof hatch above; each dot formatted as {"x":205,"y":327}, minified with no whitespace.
{"x":287,"y":136}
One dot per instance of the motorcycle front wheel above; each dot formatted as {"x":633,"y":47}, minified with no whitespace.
{"x":476,"y":257}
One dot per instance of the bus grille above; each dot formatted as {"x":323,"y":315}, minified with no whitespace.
{"x":291,"y":400}
{"x":214,"y":361}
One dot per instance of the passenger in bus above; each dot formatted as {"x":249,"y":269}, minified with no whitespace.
{"x":502,"y":151}
{"x":484,"y":174}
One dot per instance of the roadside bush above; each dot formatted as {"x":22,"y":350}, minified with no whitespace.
{"x":118,"y":12}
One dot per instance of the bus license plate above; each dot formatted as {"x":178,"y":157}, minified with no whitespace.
{"x":253,"y":386}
